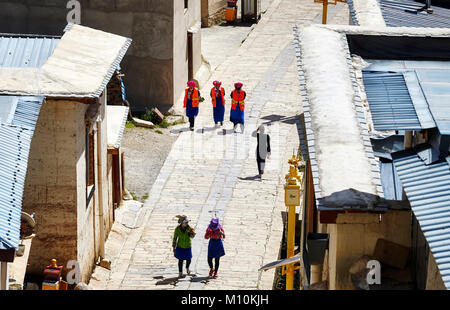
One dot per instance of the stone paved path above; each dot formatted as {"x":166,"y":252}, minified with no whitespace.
{"x":211,"y":171}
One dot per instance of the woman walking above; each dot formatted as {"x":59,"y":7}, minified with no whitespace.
{"x":215,"y":234}
{"x":218,"y":102}
{"x":237,"y":106}
{"x":182,"y":244}
{"x":262,"y":149}
{"x":191,"y":101}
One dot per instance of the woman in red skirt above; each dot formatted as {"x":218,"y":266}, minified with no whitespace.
{"x":215,"y":234}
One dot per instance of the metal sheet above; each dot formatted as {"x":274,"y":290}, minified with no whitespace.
{"x":428,"y":190}
{"x":433,"y":78}
{"x":26,"y":51}
{"x":18,"y":118}
{"x":14,"y":150}
{"x":418,"y":99}
{"x":405,"y":13}
{"x":390,"y":103}
{"x":392,"y":186}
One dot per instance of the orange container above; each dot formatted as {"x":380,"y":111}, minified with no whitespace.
{"x":230,"y":14}
{"x":50,"y":286}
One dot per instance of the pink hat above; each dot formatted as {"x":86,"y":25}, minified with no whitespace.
{"x":191,"y":84}
{"x":217,"y":83}
{"x":214,"y":224}
{"x":238,"y":84}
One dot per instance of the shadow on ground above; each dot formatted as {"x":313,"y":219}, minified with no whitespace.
{"x":179,"y":130}
{"x":280,"y":118}
{"x":237,"y":23}
{"x":175,"y":280}
{"x":167,"y":281}
{"x":253,"y":178}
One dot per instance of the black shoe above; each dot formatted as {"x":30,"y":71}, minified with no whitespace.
{"x":191,"y":128}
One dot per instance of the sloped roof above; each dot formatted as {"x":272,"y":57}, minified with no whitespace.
{"x":428,"y":191}
{"x":116,"y":118}
{"x":81,"y":66}
{"x":337,"y":137}
{"x":390,"y":103}
{"x":18,"y":118}
{"x":17,"y":122}
{"x":427,"y":83}
{"x":26,"y":50}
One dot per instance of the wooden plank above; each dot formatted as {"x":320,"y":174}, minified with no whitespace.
{"x":116,"y":179}
{"x":80,"y":100}
{"x":310,"y":205}
{"x":391,"y":254}
{"x":328,"y":217}
{"x":7,"y":255}
{"x":91,"y":160}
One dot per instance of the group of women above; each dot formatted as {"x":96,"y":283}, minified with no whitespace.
{"x":191,"y":103}
{"x":182,"y":245}
{"x":192,"y":100}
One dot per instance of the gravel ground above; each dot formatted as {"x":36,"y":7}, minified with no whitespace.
{"x":145,"y":153}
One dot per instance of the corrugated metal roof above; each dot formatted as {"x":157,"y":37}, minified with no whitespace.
{"x":18,"y":118}
{"x":389,"y":100}
{"x":428,"y":191}
{"x":16,"y":133}
{"x":392,"y":186}
{"x":14,"y":149}
{"x":26,"y":51}
{"x":84,"y":74}
{"x":405,"y":13}
{"x":427,"y":81}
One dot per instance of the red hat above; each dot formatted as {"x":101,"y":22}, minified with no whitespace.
{"x":217,"y":83}
{"x":238,"y":84}
{"x":191,"y":84}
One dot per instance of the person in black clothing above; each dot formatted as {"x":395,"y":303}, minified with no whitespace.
{"x":262,"y":149}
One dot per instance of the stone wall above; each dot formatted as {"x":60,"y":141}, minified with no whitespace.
{"x":51,"y":184}
{"x":148,"y":64}
{"x":88,"y":217}
{"x":55,"y":188}
{"x":213,"y":11}
{"x":183,"y":21}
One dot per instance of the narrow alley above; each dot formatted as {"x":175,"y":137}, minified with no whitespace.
{"x":211,"y":171}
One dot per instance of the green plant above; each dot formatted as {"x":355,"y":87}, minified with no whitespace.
{"x":130,"y":124}
{"x":144,"y":198}
{"x":177,"y":123}
{"x":159,"y":131}
{"x":134,"y":196}
{"x":151,"y":116}
{"x":164,"y":124}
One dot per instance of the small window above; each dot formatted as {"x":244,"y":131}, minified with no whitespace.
{"x":186,"y":4}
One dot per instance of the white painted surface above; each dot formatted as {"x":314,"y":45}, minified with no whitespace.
{"x":78,"y":66}
{"x":338,"y":142}
{"x":368,"y":13}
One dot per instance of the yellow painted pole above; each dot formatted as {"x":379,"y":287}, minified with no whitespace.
{"x":324,"y":12}
{"x":290,"y":248}
{"x":292,"y":199}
